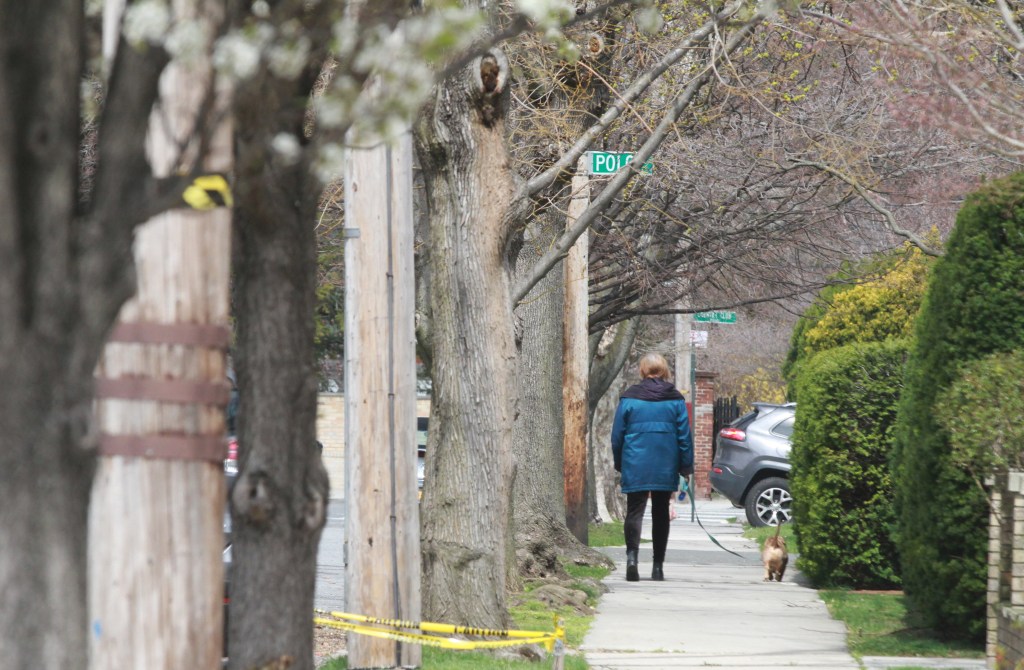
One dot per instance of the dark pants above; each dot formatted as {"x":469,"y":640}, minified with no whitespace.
{"x":636,"y":503}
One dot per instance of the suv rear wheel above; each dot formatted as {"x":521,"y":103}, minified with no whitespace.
{"x":769,"y":502}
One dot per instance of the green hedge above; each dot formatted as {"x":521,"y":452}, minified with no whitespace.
{"x":974,"y":306}
{"x":872,"y":310}
{"x":986,"y":433}
{"x":841,"y":481}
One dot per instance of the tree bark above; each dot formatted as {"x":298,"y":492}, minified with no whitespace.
{"x":65,"y":270}
{"x":609,"y":357}
{"x":539,"y":499}
{"x":279,"y":500}
{"x":45,"y":471}
{"x":469,"y":186}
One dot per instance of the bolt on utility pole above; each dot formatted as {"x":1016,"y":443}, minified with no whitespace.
{"x":382,"y":539}
{"x":575,"y":366}
{"x":155,"y":575}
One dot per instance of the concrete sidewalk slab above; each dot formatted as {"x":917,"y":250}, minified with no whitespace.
{"x":713,"y":609}
{"x":887,"y":662}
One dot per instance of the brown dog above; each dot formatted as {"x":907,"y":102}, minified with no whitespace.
{"x":774,"y":556}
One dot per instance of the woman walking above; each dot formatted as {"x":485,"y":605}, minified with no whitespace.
{"x":652,"y":446}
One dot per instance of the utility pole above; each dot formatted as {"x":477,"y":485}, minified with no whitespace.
{"x":684,"y":353}
{"x":155,"y":577}
{"x":575,"y":370}
{"x":382,"y":539}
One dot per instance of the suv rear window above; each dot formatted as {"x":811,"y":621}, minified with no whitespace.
{"x":744,"y":420}
{"x":783,"y":428}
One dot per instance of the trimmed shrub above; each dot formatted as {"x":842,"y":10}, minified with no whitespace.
{"x":871,"y":311}
{"x":876,"y":310}
{"x":841,"y":479}
{"x":974,"y":305}
{"x":986,"y":432}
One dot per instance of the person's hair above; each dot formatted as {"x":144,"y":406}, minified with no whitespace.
{"x":654,"y":365}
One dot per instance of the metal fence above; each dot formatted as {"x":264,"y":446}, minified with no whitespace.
{"x":726,"y":410}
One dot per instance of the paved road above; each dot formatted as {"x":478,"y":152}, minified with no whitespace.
{"x":330,"y":561}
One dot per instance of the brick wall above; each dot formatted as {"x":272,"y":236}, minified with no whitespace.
{"x":1004,"y":643}
{"x":330,"y":430}
{"x":703,"y":421}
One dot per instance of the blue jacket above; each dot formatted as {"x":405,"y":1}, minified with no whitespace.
{"x":651,"y":439}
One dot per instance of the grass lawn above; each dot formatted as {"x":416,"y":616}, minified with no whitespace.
{"x":606,"y":534}
{"x":877,"y":624}
{"x":529,"y":614}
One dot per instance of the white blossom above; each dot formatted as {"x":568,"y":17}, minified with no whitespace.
{"x":378,"y":51}
{"x":286,"y":146}
{"x":261,"y":8}
{"x":237,"y":56}
{"x":436,"y":34}
{"x":545,"y":12}
{"x":649,"y":20}
{"x":93,"y":8}
{"x":346,"y":34}
{"x":330,"y":162}
{"x":334,"y":108}
{"x":146,"y":21}
{"x":288,"y":60}
{"x":188,"y":40}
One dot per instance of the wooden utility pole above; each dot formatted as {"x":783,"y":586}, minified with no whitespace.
{"x":155,"y":577}
{"x":575,"y":370}
{"x":684,"y":354}
{"x":382,"y":539}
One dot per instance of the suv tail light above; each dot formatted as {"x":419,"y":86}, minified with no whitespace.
{"x":736,"y":434}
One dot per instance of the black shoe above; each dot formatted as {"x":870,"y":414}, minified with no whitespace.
{"x":632,"y":569}
{"x":657,"y":574}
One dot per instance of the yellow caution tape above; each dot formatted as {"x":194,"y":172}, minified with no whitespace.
{"x":385,"y":628}
{"x":208,"y":192}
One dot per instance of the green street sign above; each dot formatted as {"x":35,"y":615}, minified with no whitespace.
{"x":610,"y":162}
{"x":715,"y":317}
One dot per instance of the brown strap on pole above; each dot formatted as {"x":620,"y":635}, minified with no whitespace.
{"x":181,"y":391}
{"x":170,"y":447}
{"x":178,"y":391}
{"x":189,"y":334}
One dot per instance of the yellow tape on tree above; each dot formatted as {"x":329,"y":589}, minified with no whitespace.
{"x":208,"y":192}
{"x":518,"y":637}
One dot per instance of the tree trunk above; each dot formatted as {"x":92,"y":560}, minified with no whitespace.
{"x":45,"y":469}
{"x":607,"y":383}
{"x":279,"y":500}
{"x":461,"y":144}
{"x":65,"y":270}
{"x":541,"y":533}
{"x":45,"y":477}
{"x":539,"y":499}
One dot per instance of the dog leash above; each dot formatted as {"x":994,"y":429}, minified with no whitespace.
{"x":688,"y":486}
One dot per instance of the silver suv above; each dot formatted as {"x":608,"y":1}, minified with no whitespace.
{"x":751,"y":465}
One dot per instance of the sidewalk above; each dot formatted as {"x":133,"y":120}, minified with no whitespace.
{"x":714,"y":610}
